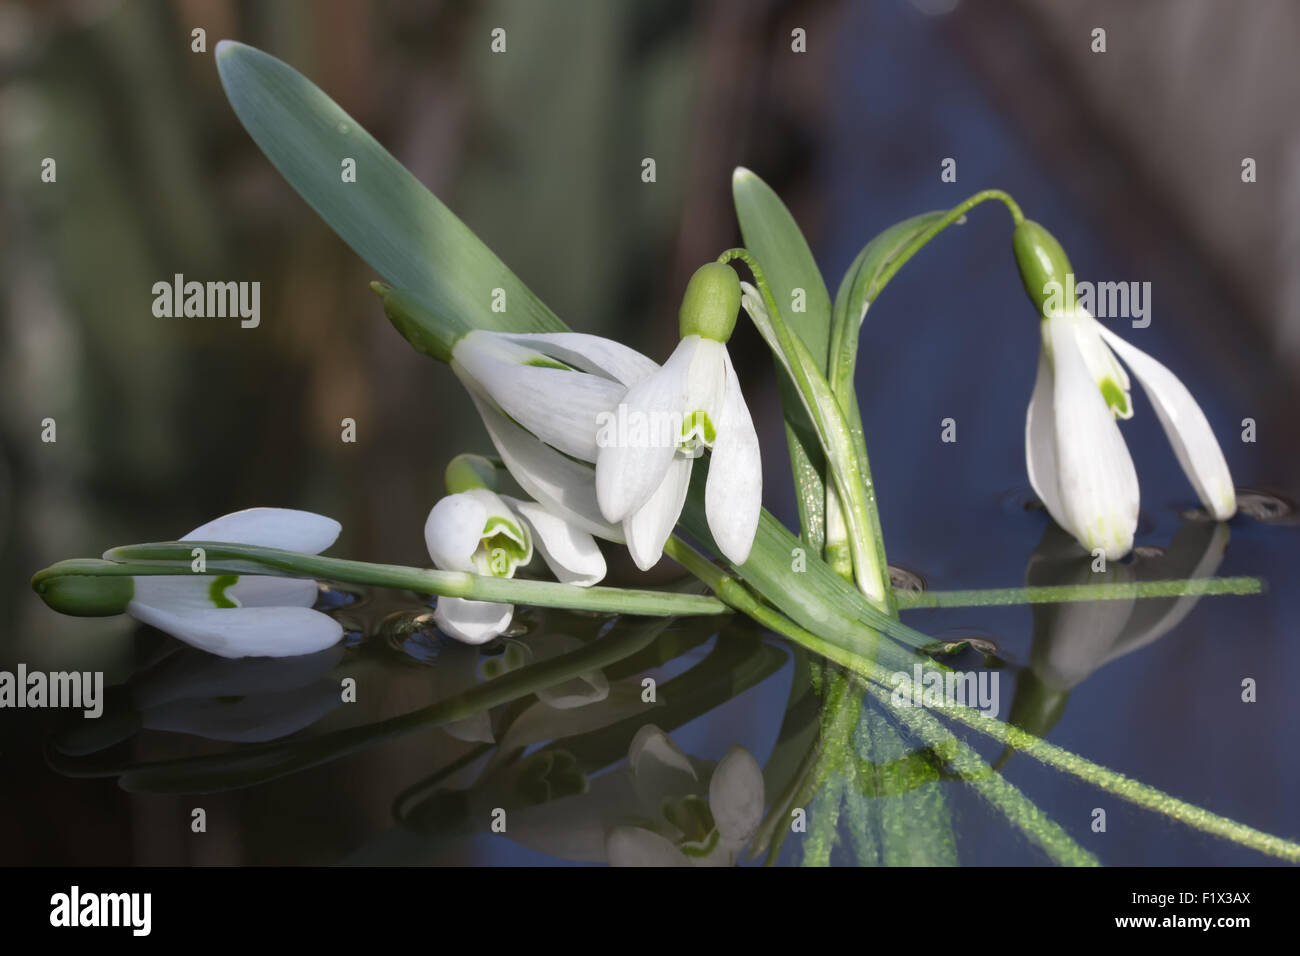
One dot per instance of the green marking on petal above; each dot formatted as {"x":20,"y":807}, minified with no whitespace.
{"x":217,"y":590}
{"x":502,"y":548}
{"x":1115,"y":397}
{"x":701,"y":850}
{"x":697,"y":428}
{"x":691,"y":816}
{"x":542,"y":362}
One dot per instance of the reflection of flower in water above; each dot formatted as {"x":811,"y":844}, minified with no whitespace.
{"x":581,"y":690}
{"x":682,"y":826}
{"x":1074,"y":639}
{"x":663,"y":809}
{"x":247,"y":700}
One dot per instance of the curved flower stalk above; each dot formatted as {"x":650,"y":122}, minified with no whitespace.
{"x":476,"y":530}
{"x":668,"y":419}
{"x":1078,"y":462}
{"x":244,"y":615}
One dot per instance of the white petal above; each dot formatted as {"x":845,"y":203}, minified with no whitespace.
{"x":1099,"y":359}
{"x":563,"y":408}
{"x":189,"y":674}
{"x":582,"y":690}
{"x":1099,"y":489}
{"x":1186,"y":427}
{"x":453,"y":530}
{"x":1073,"y":638}
{"x":648,"y":528}
{"x":572,"y":555}
{"x":250,"y":719}
{"x":591,"y":353}
{"x":634,"y":846}
{"x":1195,"y":552}
{"x":177,"y":592}
{"x":706,"y":382}
{"x":565,"y":487}
{"x":474,"y":622}
{"x":265,"y":590}
{"x":733,"y":495}
{"x":245,"y":631}
{"x":634,"y":456}
{"x":736,"y":796}
{"x":1040,"y":441}
{"x":661,"y":771}
{"x":283,"y":528}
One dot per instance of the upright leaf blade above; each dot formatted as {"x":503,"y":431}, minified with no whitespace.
{"x":771,"y":234}
{"x":387,"y":216}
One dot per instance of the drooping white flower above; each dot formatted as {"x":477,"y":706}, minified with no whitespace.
{"x":686,"y":828}
{"x":665,"y":421}
{"x":1078,"y":462}
{"x":481,"y":532}
{"x":245,"y":615}
{"x":541,"y":397}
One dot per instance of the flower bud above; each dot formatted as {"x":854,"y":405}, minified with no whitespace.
{"x":711,"y":302}
{"x":1044,"y":267}
{"x":466,"y":472}
{"x":67,"y":591}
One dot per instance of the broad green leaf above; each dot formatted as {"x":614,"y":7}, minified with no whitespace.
{"x":770,"y":233}
{"x":387,"y":216}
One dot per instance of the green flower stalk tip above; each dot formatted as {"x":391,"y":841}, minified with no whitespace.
{"x":84,"y":594}
{"x":711,"y":303}
{"x":1042,"y":262}
{"x":467,"y":472}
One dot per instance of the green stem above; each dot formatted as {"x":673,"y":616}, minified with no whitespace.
{"x":832,"y":431}
{"x":235,"y":558}
{"x":952,"y":216}
{"x":1055,"y":594}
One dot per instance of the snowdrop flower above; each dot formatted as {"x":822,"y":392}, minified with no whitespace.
{"x":667,"y":419}
{"x":664,"y":808}
{"x":541,"y":396}
{"x":244,"y":615}
{"x":1078,"y":462}
{"x":686,"y":828}
{"x":476,"y":530}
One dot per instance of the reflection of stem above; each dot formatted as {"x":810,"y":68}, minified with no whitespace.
{"x":258,"y":764}
{"x":1060,"y":593}
{"x":233,"y":557}
{"x":1141,"y":794}
{"x":993,"y":787}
